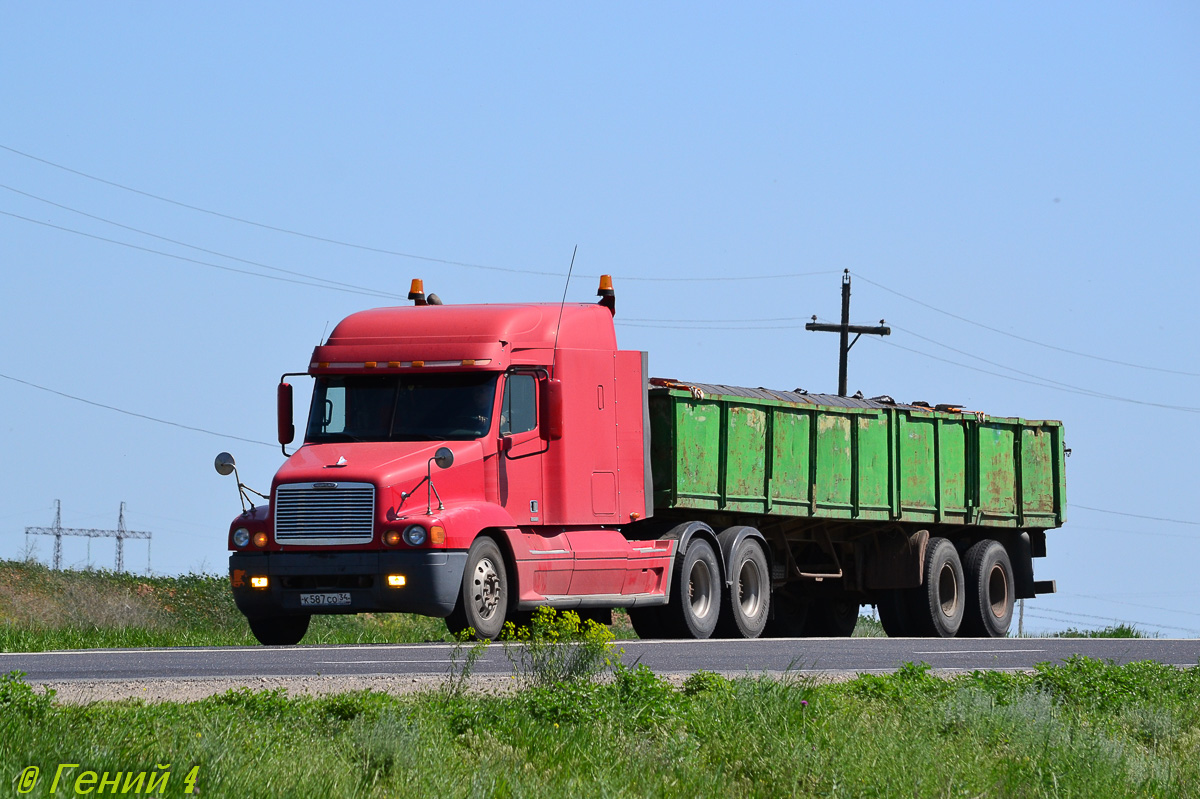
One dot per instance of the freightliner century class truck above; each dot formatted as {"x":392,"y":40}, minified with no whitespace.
{"x":475,"y":462}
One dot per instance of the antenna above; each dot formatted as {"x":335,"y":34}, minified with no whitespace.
{"x":561,"y":305}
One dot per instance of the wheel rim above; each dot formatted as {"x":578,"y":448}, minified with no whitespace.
{"x":750,"y":589}
{"x":700,"y":589}
{"x":998,"y":591}
{"x":487,"y":589}
{"x":948,"y":591}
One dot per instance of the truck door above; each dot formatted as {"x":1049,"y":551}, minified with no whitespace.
{"x":521,"y":448}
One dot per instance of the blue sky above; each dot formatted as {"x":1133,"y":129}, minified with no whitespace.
{"x":1032,"y":168}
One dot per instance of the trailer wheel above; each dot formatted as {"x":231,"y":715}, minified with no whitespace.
{"x":483,"y":601}
{"x":938,"y":605}
{"x":696,"y":601}
{"x":893,"y":605}
{"x":990,"y":584}
{"x":279,"y":630}
{"x":747,"y":606}
{"x":832,"y":618}
{"x":789,"y":616}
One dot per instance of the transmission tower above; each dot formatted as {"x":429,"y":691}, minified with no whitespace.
{"x":121,"y":533}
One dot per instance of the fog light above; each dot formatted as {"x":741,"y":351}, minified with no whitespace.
{"x":414,"y":535}
{"x":396,"y":580}
{"x":260,"y":540}
{"x":392,"y":538}
{"x":258,"y":582}
{"x":241,"y":537}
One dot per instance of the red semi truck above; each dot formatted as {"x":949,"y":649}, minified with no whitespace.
{"x":475,"y":462}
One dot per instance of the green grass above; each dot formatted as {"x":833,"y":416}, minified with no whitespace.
{"x":1083,"y":729}
{"x":42,"y":609}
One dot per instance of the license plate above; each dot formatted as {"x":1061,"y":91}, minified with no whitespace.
{"x":309,"y":600}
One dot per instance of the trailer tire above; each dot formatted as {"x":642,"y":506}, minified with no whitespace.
{"x":279,"y":630}
{"x":483,"y":600}
{"x":696,"y":602}
{"x":939,"y":603}
{"x":830,"y":617}
{"x":747,"y":605}
{"x":893,"y":606}
{"x":789,"y":616}
{"x":990,"y":597}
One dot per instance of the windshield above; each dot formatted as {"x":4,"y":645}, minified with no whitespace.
{"x":429,"y":407}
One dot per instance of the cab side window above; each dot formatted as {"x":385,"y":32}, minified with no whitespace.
{"x":518,"y":413}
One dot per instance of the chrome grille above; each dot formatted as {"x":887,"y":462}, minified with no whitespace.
{"x":334,"y":513}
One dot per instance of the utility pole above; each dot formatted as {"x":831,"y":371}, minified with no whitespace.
{"x":58,"y":531}
{"x":845,"y":329}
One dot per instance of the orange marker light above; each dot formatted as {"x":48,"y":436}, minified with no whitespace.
{"x":437,"y":534}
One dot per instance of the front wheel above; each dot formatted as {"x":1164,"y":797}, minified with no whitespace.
{"x":483,"y":599}
{"x":279,"y":630}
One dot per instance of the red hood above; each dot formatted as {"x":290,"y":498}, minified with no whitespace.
{"x":399,"y":464}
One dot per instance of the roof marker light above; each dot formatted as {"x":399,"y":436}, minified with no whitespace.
{"x":417,"y":292}
{"x":608,"y":297}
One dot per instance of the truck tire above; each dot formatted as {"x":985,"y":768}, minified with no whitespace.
{"x":279,"y":630}
{"x":696,"y":599}
{"x":830,"y":617}
{"x":893,"y":605}
{"x":937,"y":605}
{"x":647,"y":622}
{"x":990,"y":595}
{"x":483,"y":601}
{"x":746,"y":607}
{"x":789,"y":616}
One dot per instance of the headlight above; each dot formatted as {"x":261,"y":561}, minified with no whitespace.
{"x":241,"y":537}
{"x":414,"y":535}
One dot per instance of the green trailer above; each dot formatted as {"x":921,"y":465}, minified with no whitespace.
{"x":933,"y":514}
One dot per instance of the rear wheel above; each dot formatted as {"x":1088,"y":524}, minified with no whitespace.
{"x":279,"y":630}
{"x":696,"y":602}
{"x":745,"y":608}
{"x":893,"y":605}
{"x":483,"y":599}
{"x":938,"y":605}
{"x":989,"y":581}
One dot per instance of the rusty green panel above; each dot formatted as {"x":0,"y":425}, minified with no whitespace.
{"x":756,"y":455}
{"x":918,"y":490}
{"x":997,"y":471}
{"x":698,"y":444}
{"x":1037,"y":472}
{"x":791,"y":481}
{"x":952,"y":469}
{"x":746,"y":457}
{"x":873,"y":467}
{"x":834,"y":478}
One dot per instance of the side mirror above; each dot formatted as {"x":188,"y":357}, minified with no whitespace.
{"x":287,"y":430}
{"x":553,"y":405}
{"x":444,"y":458}
{"x":224,"y":464}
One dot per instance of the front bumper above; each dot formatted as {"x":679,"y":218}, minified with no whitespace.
{"x":432,"y":581}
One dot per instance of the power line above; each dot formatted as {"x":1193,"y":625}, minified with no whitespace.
{"x":1069,"y":390}
{"x":1067,"y":617}
{"x":396,"y":253}
{"x":1135,"y":604}
{"x":366,"y":292}
{"x":1023,"y":338}
{"x":194,"y":247}
{"x":133,"y":413}
{"x":1137,"y":515}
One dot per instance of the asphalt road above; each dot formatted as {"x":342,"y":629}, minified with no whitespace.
{"x":806,"y":655}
